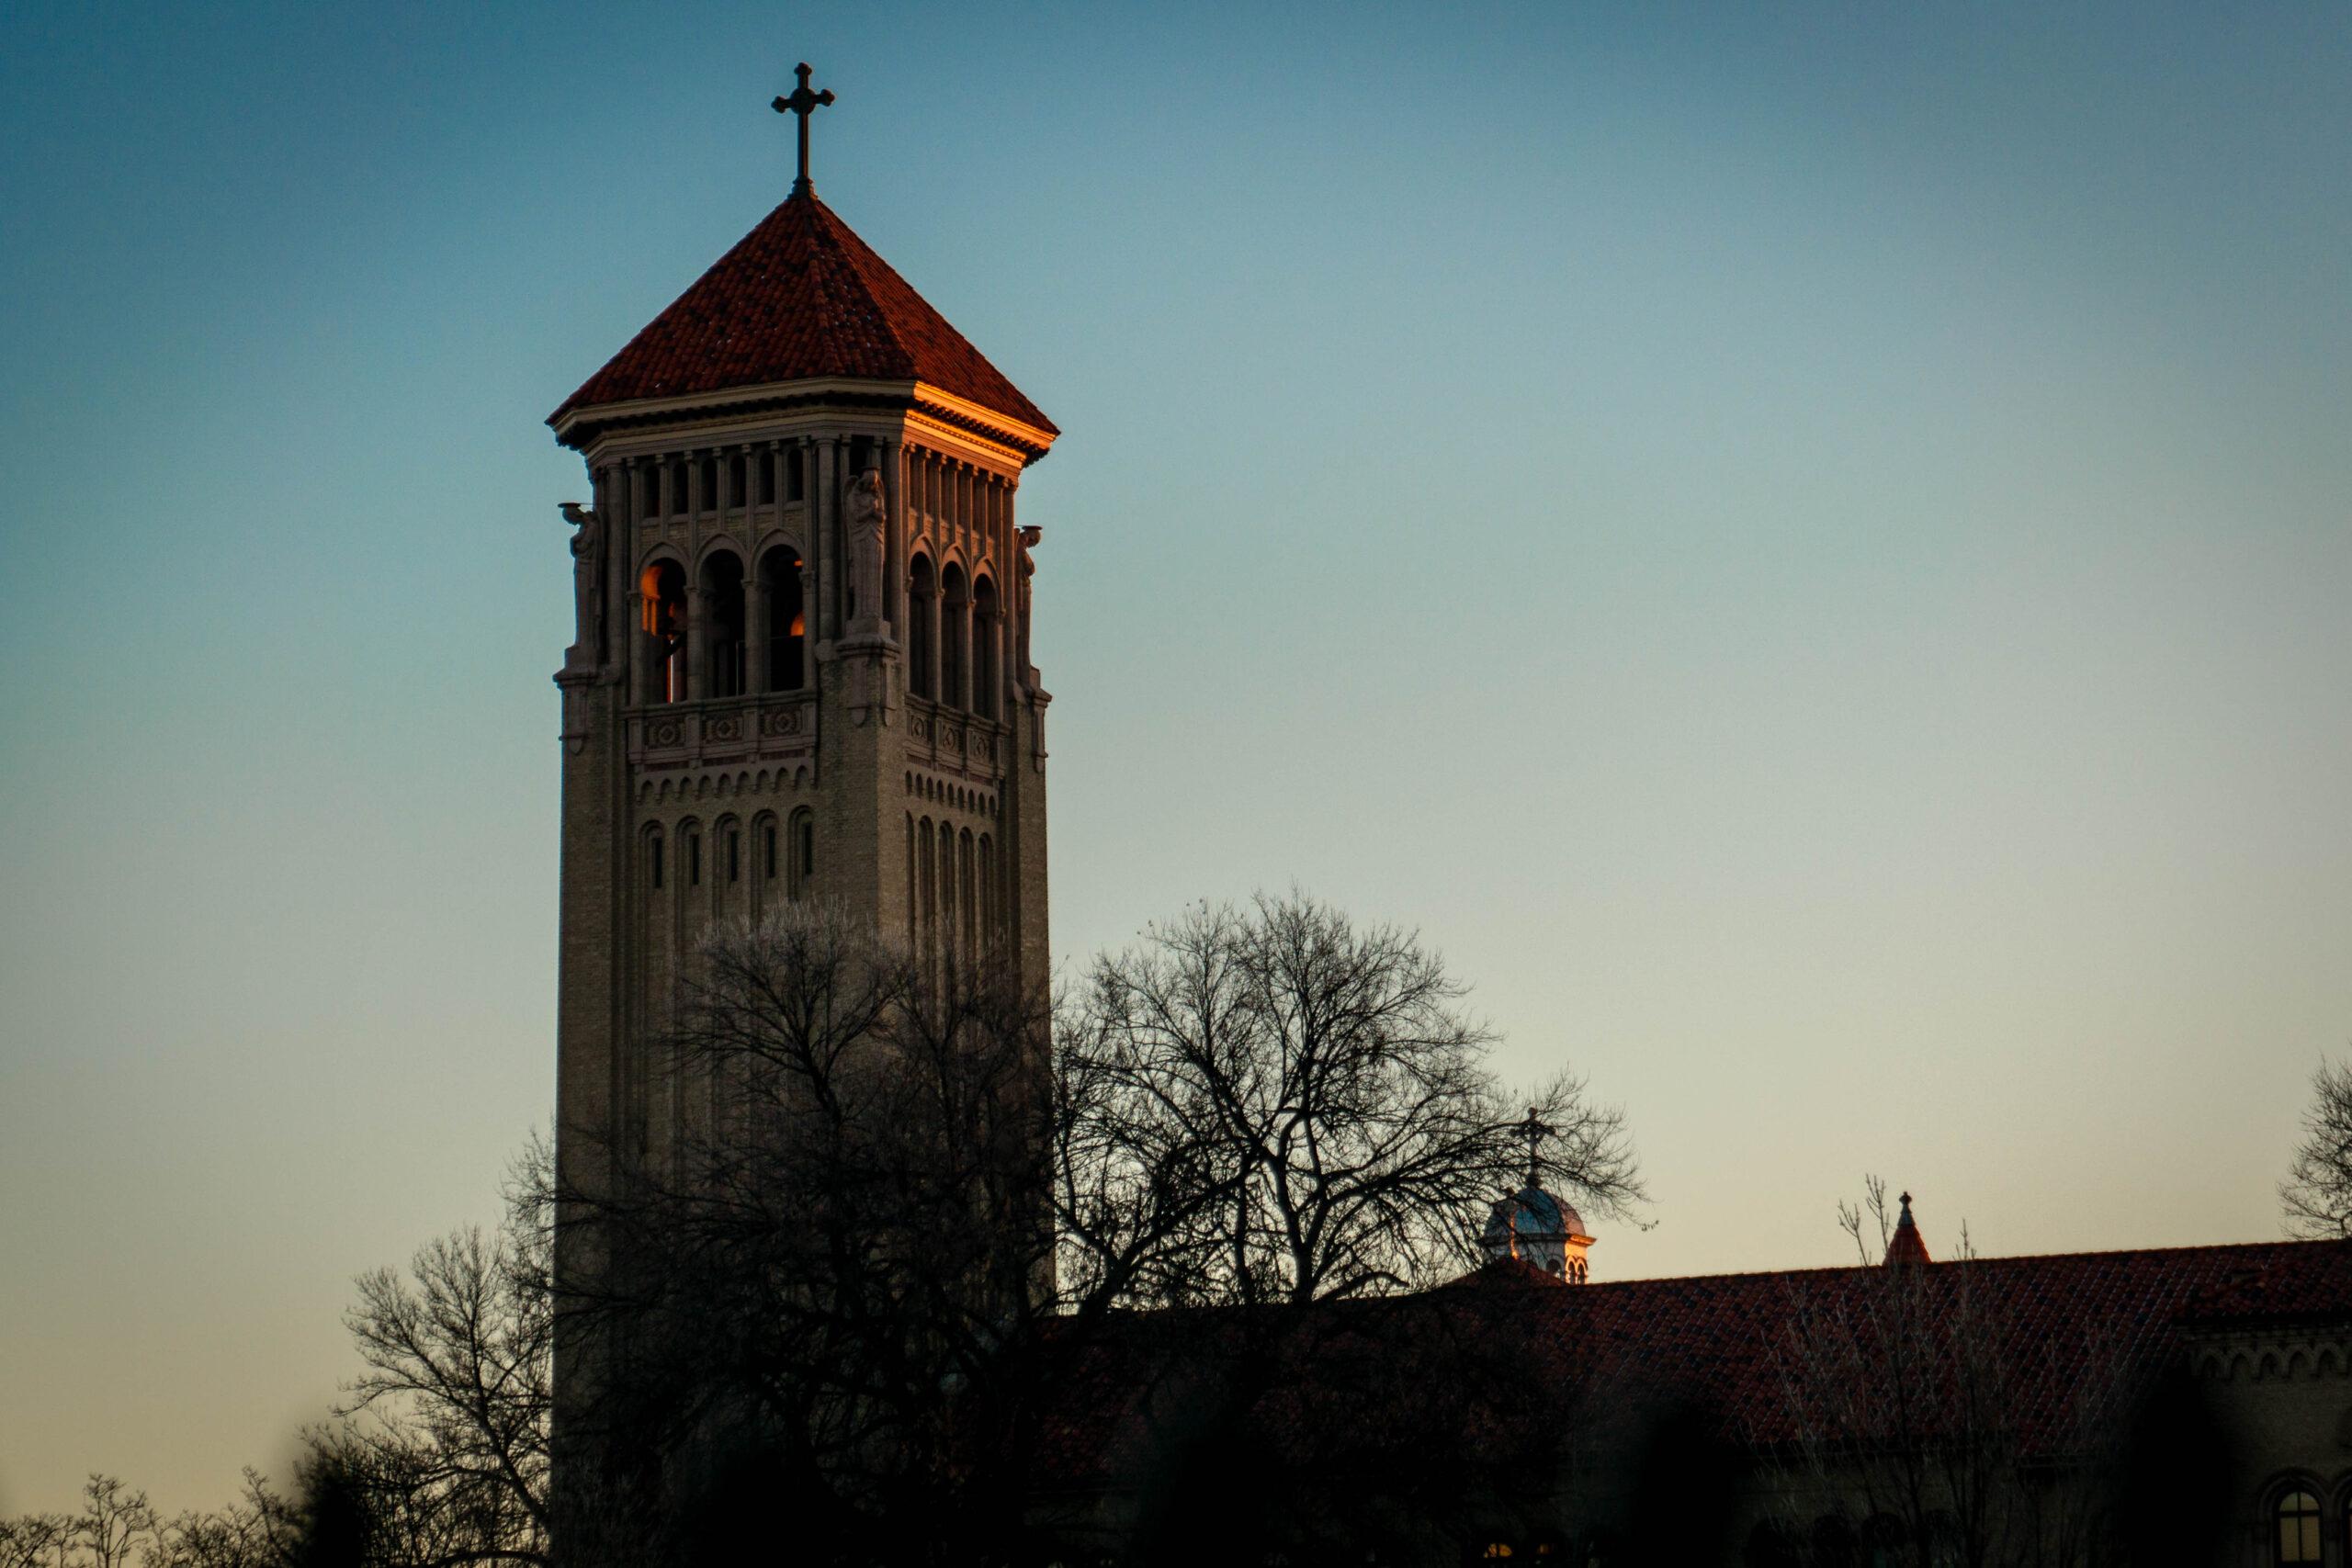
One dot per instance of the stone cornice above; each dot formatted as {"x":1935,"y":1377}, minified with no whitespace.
{"x":584,"y":429}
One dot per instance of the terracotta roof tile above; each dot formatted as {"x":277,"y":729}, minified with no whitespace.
{"x":799,"y":296}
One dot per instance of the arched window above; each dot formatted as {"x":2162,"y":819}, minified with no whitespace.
{"x":799,"y":851}
{"x":990,"y":897}
{"x":948,"y":938}
{"x":722,"y":641}
{"x":984,"y":641}
{"x":662,"y":590}
{"x":706,"y":472}
{"x":927,"y":900}
{"x":767,"y":857}
{"x":736,"y":474}
{"x":2295,"y":1533}
{"x":796,"y":476}
{"x":765,"y":463}
{"x":954,"y":637}
{"x":731,"y":851}
{"x":675,"y":497}
{"x":690,"y":852}
{"x":911,"y":906}
{"x":653,"y":866}
{"x":922,"y":605}
{"x":967,"y":907}
{"x":786,"y":631}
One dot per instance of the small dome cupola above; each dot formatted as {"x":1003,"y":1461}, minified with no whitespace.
{"x":1532,"y":1225}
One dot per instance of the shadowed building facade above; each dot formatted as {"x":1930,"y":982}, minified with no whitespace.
{"x":801,"y":659}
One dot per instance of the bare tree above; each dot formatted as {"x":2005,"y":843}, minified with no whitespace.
{"x":820,"y":1301}
{"x":1906,"y":1390}
{"x":262,"y":1528}
{"x":444,"y":1447}
{"x":1273,"y":1104}
{"x":2317,"y":1194}
{"x":36,"y":1540}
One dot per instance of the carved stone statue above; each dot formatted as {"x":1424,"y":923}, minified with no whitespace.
{"x":587,"y":584}
{"x":867,"y":511}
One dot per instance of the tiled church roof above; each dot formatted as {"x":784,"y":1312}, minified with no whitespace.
{"x":2067,"y":1326}
{"x":800,"y":297}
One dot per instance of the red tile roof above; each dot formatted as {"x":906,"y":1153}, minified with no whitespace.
{"x":2069,"y":1326}
{"x":800,"y":297}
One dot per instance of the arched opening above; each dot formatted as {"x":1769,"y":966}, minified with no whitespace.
{"x":767,"y":863}
{"x":737,"y":471}
{"x":954,"y":637}
{"x":722,"y":599}
{"x":663,"y":589}
{"x":673,"y":496}
{"x":985,"y":678}
{"x":922,"y":607}
{"x":2295,"y":1532}
{"x":706,"y":477}
{"x":786,"y":631}
{"x":800,"y":851}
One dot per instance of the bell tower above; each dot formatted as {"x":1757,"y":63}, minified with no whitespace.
{"x":801,"y":659}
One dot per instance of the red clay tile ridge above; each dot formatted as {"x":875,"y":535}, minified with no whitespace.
{"x":800,"y":298}
{"x":1907,"y":1248}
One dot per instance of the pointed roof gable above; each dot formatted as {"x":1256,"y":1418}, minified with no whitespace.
{"x":800,"y":298}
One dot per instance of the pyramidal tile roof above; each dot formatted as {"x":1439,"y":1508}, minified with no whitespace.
{"x":800,"y":298}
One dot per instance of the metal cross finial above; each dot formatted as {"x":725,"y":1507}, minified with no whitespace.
{"x":803,"y":103}
{"x":1535,"y":1130}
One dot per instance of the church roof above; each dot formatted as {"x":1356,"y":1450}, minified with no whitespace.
{"x":2063,"y":1323}
{"x":800,"y":298}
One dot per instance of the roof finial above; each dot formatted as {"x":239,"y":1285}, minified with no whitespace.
{"x":803,"y":103}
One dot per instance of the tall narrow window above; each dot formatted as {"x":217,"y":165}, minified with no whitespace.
{"x":800,"y":851}
{"x":662,"y":591}
{"x":765,"y":463}
{"x":923,"y":605}
{"x":786,"y":631}
{"x":694,"y":857}
{"x":734,"y":854}
{"x":736,"y":490}
{"x":954,"y":637}
{"x":767,"y":851}
{"x":653,"y":858}
{"x":722,"y":642}
{"x":2296,"y":1536}
{"x":707,"y":471}
{"x":985,"y":632}
{"x":676,"y":495}
{"x":796,"y":476}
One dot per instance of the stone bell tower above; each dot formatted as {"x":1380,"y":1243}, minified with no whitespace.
{"x":801,"y":666}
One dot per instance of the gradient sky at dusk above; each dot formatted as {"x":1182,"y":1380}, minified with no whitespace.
{"x":1809,"y":549}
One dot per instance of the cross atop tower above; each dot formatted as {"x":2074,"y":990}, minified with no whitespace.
{"x":803,"y":103}
{"x":1535,"y":1130}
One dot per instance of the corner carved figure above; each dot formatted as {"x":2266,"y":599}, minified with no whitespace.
{"x":587,"y":583}
{"x":867,"y":508}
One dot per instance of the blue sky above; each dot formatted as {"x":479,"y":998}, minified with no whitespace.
{"x":1806,"y":548}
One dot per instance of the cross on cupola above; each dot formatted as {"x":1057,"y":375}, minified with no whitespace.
{"x":804,"y":103}
{"x":1535,"y":1130}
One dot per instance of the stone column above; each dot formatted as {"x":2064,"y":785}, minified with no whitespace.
{"x":756,"y":589}
{"x":893,"y":457}
{"x":697,"y":631}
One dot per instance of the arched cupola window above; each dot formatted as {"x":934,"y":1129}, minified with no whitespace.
{"x":723,"y":646}
{"x":787,"y":628}
{"x":662,"y":592}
